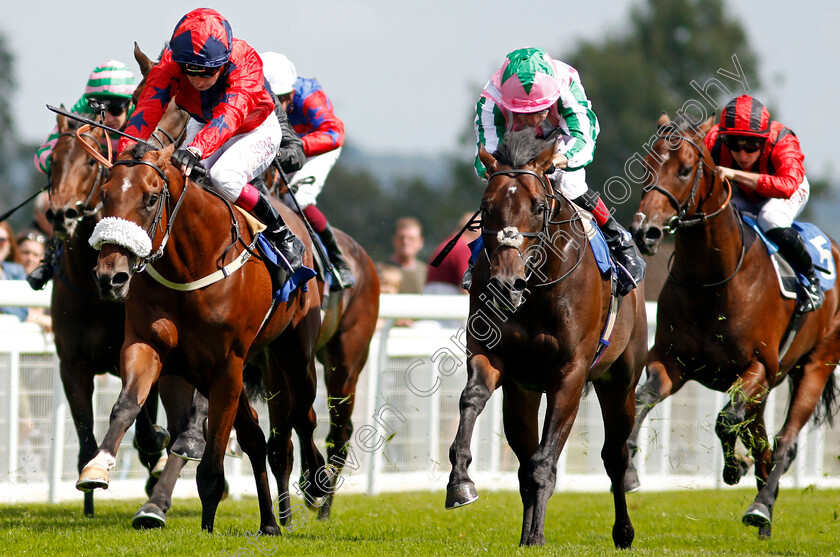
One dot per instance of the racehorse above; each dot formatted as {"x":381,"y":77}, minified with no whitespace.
{"x":721,"y":319}
{"x":538,"y":308}
{"x":349,"y":322}
{"x":89,"y":331}
{"x":204,"y":333}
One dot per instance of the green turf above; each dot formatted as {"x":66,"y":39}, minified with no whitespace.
{"x":806,"y":522}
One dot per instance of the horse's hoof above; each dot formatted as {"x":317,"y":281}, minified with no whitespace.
{"x":758,"y":515}
{"x":92,"y":477}
{"x":733,"y":474}
{"x":148,"y":517}
{"x":631,"y":481}
{"x":157,"y":469}
{"x":271,"y":530}
{"x":189,"y":448}
{"x":460,"y":495}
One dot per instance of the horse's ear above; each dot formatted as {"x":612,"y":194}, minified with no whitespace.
{"x":545,"y":159}
{"x":61,"y":121}
{"x":145,"y":63}
{"x":167,"y":151}
{"x":487,"y":160}
{"x":663,"y":121}
{"x":707,"y":125}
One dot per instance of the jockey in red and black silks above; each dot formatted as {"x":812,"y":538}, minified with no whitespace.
{"x":764,"y":159}
{"x":232,"y":130}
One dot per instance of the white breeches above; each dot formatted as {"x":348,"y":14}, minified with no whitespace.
{"x":311,"y":177}
{"x":774,"y":212}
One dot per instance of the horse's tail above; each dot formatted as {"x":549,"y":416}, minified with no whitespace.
{"x":826,"y":411}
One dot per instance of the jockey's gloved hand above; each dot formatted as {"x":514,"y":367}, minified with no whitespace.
{"x":186,"y":160}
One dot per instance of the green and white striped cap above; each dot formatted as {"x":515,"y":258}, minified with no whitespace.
{"x":111,"y":79}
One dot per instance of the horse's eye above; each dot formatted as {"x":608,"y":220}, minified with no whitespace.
{"x":684,"y":171}
{"x":153,"y":199}
{"x":91,"y":162}
{"x":541,"y":208}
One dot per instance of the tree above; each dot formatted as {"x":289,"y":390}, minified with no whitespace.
{"x":671,"y":48}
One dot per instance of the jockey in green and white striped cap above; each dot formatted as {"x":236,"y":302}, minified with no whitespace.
{"x":111,"y":79}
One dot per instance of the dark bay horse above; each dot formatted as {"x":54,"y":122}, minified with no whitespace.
{"x":538,"y":307}
{"x":349,"y":322}
{"x":88,"y":330}
{"x":721,"y":319}
{"x":204,"y":333}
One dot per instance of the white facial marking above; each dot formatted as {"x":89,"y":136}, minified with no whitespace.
{"x":126,"y":184}
{"x":511,"y":190}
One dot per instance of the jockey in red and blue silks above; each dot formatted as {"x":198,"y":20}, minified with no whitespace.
{"x":232,"y":130}
{"x":764,"y":159}
{"x":322,"y":132}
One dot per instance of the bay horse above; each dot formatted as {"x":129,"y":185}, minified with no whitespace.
{"x":348,"y":325}
{"x":205,"y":333}
{"x":538,"y":306}
{"x":721,"y":319}
{"x":89,"y":331}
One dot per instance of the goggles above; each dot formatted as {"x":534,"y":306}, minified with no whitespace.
{"x":739,"y":143}
{"x":198,"y":71}
{"x":115,"y":107}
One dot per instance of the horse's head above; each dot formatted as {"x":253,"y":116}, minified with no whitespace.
{"x":73,"y":177}
{"x":133,"y":203}
{"x":515,"y":210}
{"x":173,"y":123}
{"x":680,"y":175}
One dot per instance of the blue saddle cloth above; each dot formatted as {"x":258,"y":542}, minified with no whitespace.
{"x":818,"y":244}
{"x":298,"y":279}
{"x":598,"y":243}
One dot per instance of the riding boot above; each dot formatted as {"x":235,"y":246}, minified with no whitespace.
{"x":630,"y":265}
{"x":341,"y":270}
{"x":793,"y":249}
{"x":289,"y":248}
{"x":259,"y":183}
{"x":41,"y":275}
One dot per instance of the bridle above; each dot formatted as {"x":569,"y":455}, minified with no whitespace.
{"x":680,"y":221}
{"x":85,"y":210}
{"x":510,"y":237}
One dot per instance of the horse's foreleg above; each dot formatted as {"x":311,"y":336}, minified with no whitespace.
{"x":742,"y":417}
{"x":660,"y":385}
{"x":189,"y":444}
{"x":482,"y":379}
{"x":252,"y":440}
{"x":78,"y":388}
{"x":520,"y":413}
{"x":177,"y":396}
{"x":618,"y":405}
{"x":150,"y":439}
{"x":210,"y":474}
{"x":816,"y":380}
{"x":139,"y":368}
{"x":562,"y":405}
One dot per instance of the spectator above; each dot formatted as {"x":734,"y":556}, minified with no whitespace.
{"x":390,"y":278}
{"x":408,"y":241}
{"x":446,"y":278}
{"x":10,"y":269}
{"x":31,"y":247}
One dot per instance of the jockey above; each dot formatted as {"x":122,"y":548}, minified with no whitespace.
{"x":764,"y":159}
{"x":533,"y":90}
{"x":107,"y":95}
{"x":311,"y":114}
{"x":219,"y":81}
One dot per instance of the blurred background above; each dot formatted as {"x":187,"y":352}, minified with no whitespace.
{"x":404,"y":77}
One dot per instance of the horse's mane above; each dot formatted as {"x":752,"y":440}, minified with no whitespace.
{"x":141,"y":149}
{"x":683,"y":123}
{"x":520,"y":147}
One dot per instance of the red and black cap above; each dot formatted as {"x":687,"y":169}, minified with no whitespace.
{"x":745,"y":116}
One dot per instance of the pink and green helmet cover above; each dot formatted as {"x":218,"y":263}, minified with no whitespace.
{"x":527,"y":81}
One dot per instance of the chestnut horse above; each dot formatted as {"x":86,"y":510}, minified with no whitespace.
{"x":204,"y":332}
{"x":538,"y":307}
{"x":88,"y":330}
{"x":721,"y":318}
{"x":349,"y":322}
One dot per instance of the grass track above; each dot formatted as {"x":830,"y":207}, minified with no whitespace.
{"x":806,"y":522}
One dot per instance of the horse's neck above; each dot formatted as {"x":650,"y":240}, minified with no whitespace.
{"x":711,"y":250}
{"x":201,"y":231}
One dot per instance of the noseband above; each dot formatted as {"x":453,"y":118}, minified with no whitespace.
{"x":511,"y":237}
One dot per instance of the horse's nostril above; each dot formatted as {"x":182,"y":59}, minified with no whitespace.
{"x":71,"y":214}
{"x":50,"y":214}
{"x":519,"y":285}
{"x":653,"y":234}
{"x":119,"y":279}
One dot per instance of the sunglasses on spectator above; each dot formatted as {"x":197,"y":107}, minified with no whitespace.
{"x":746,"y":144}
{"x":115,"y":107}
{"x":198,"y":71}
